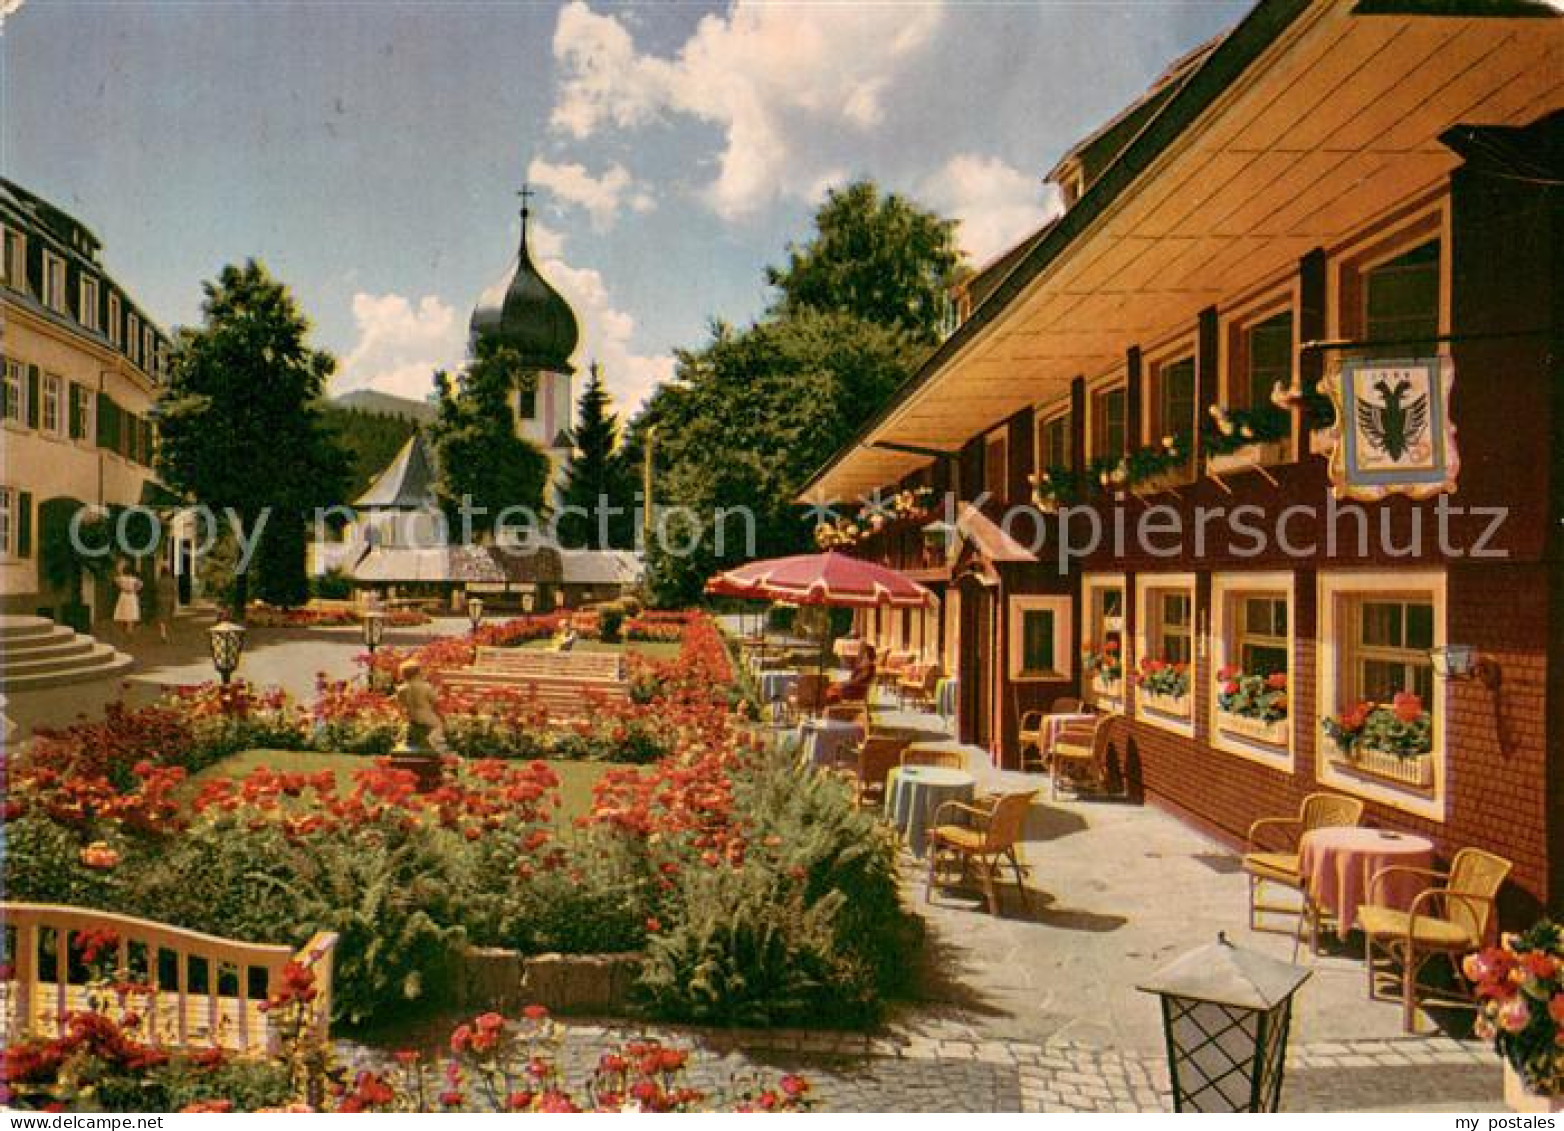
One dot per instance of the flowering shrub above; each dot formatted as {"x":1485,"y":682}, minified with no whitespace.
{"x":1262,"y":697}
{"x":1160,"y":677}
{"x":265,"y":616}
{"x":349,"y":717}
{"x":1055,"y":486}
{"x":1401,"y":727}
{"x":1520,"y":994}
{"x":1105,"y":662}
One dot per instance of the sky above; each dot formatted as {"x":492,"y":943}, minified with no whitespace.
{"x":369,"y":151}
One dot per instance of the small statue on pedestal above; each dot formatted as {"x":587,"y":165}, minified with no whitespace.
{"x":420,"y":708}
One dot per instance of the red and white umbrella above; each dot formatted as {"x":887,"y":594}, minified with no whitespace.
{"x":822,"y":579}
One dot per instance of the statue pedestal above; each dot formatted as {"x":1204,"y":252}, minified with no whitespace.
{"x":422,"y":761}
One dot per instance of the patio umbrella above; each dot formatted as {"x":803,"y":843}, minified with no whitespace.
{"x":829,"y":579}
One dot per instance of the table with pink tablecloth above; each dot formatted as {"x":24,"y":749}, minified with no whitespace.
{"x":1337,"y":865}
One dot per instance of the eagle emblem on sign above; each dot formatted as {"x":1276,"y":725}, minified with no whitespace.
{"x":1393,"y":434}
{"x":1393,"y":426}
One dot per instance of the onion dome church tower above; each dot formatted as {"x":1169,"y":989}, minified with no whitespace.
{"x":530,"y":317}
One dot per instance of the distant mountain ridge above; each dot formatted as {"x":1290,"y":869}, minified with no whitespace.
{"x":386,"y":404}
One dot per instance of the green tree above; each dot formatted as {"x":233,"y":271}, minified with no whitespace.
{"x":745,"y":422}
{"x":481,"y":457}
{"x":370,"y":438}
{"x":596,"y":473}
{"x":240,"y":423}
{"x":880,"y":258}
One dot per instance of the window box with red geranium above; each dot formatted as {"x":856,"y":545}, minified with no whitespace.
{"x":1253,"y":706}
{"x":1391,"y":741}
{"x":1164,"y":687}
{"x":1103,"y":667}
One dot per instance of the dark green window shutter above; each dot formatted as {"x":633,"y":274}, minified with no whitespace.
{"x":74,"y":408}
{"x":148,"y":437}
{"x":24,"y":525}
{"x":5,"y":396}
{"x":32,"y":396}
{"x":108,"y":423}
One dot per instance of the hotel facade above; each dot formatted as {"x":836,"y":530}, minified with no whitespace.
{"x":1292,"y":352}
{"x":82,"y":366}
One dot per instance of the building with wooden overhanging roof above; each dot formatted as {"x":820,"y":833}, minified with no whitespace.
{"x":1311,"y":285}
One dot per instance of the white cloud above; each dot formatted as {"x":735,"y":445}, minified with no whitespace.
{"x":773,"y":77}
{"x":998,"y":205}
{"x":400,"y":344}
{"x":601,"y":197}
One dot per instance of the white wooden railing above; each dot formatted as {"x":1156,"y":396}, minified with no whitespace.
{"x":39,"y":989}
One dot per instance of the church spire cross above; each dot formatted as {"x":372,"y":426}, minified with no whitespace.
{"x":526,"y":193}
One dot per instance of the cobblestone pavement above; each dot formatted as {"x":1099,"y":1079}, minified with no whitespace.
{"x":947,"y":1069}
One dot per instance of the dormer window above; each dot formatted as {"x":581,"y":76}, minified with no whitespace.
{"x":14,"y":261}
{"x":54,"y":283}
{"x":133,"y":339}
{"x":116,"y":322}
{"x":89,"y":302}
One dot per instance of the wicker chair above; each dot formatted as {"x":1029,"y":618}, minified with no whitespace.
{"x":878,"y":755}
{"x":946,"y":759}
{"x":1271,"y":856}
{"x":1079,"y":752}
{"x":917,"y":685}
{"x":992,"y":838}
{"x":808,"y":694}
{"x":855,"y":711}
{"x":1446,"y":922}
{"x":1029,"y":734}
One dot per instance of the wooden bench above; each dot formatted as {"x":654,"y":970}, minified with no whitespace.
{"x":608,"y":666}
{"x":203,"y":991}
{"x":562,"y":698}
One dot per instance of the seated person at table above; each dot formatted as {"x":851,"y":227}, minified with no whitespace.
{"x":855,"y":687}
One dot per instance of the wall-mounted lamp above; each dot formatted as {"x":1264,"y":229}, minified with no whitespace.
{"x":1462,"y":662}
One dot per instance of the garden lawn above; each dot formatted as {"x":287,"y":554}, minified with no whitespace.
{"x":651,"y":649}
{"x":576,"y":779}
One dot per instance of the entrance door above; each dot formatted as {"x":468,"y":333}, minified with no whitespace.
{"x":977,"y":645}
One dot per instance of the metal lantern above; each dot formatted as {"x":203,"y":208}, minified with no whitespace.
{"x":374,"y":629}
{"x":1461,"y":662}
{"x":529,"y":600}
{"x":227,"y":643}
{"x":1225,"y":1014}
{"x":475,"y":612}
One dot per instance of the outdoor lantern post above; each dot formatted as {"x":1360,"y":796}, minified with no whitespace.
{"x":227,"y":643}
{"x":1225,"y":1014}
{"x":475,"y":612}
{"x":374,"y":629}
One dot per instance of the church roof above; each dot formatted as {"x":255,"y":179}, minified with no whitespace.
{"x":407,"y":483}
{"x":528,"y":316}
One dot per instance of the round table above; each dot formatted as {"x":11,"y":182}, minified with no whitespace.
{"x":825,"y":741}
{"x":1338,"y":863}
{"x":913,"y":794}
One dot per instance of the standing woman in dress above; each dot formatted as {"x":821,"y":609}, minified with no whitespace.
{"x":127,"y":609}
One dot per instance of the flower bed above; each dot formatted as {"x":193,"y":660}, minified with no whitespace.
{"x":757,"y":896}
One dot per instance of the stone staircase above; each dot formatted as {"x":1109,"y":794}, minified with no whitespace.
{"x":36,"y":653}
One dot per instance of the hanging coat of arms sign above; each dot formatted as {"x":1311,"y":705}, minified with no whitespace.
{"x":1393,"y":434}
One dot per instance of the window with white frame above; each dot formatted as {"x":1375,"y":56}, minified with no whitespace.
{"x":1385,"y":709}
{"x":89,"y":302}
{"x":54,"y":282}
{"x":116,"y":319}
{"x":7,"y":521}
{"x":1165,"y":648}
{"x":52,"y":415}
{"x":1109,"y":418}
{"x":1040,"y":633}
{"x":14,"y":394}
{"x":14,"y":259}
{"x":82,"y":405}
{"x":1103,"y":642}
{"x":1251,"y":653}
{"x":1053,"y":441}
